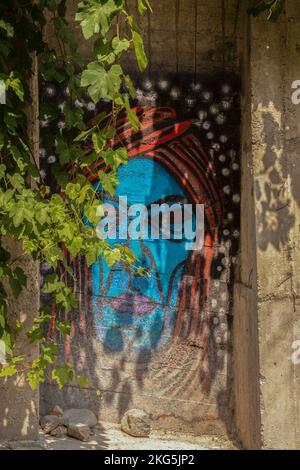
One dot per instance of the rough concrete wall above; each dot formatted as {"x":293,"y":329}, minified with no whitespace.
{"x":181,"y":35}
{"x":19,"y":405}
{"x":266,"y":306}
{"x":192,"y":35}
{"x":246,"y":366}
{"x":179,"y":372}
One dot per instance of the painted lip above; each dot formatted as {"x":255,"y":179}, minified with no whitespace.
{"x":136,"y":304}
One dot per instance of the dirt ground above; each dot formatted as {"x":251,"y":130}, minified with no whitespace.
{"x":110,"y":437}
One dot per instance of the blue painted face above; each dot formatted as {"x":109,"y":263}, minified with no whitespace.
{"x":137,"y":313}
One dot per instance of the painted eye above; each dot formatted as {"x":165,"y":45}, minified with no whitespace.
{"x":166,"y":218}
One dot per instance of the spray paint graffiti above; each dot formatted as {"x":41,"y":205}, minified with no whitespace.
{"x":175,"y":325}
{"x":166,"y":163}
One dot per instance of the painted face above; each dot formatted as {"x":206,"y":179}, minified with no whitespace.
{"x":137,"y":313}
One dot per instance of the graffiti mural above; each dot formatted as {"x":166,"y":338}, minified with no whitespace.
{"x":166,"y":334}
{"x":166,"y":163}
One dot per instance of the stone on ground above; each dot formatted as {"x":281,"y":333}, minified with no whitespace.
{"x":80,"y":416}
{"x":136,"y":423}
{"x":60,"y":431}
{"x":57,"y":411}
{"x":79,"y":431}
{"x":109,"y":436}
{"x":50,"y":422}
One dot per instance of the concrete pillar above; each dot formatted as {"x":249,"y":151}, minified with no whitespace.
{"x":266,"y":301}
{"x":19,"y":405}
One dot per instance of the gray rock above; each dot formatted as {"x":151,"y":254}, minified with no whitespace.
{"x":80,"y":416}
{"x":57,"y":411}
{"x":136,"y":423}
{"x":60,"y":431}
{"x":50,"y":422}
{"x":79,"y":431}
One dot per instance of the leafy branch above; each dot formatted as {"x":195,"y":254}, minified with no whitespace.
{"x":56,"y":225}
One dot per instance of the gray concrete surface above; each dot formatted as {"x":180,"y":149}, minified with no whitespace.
{"x":19,"y":405}
{"x":266,"y":303}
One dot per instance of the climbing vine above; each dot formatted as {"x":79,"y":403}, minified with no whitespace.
{"x":273,"y":8}
{"x":50,"y":221}
{"x":57,"y":222}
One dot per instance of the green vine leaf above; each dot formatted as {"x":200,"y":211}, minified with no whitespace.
{"x":58,"y":222}
{"x":34,"y":377}
{"x":63,"y":327}
{"x":109,"y":182}
{"x":16,"y":85}
{"x":276,"y":10}
{"x":102,"y":84}
{"x":8,"y":28}
{"x":9,"y":371}
{"x":95,"y":17}
{"x":17,"y":280}
{"x":62,"y":375}
{"x":35,"y":334}
{"x":82,"y":381}
{"x":143,"y":6}
{"x":115,"y":158}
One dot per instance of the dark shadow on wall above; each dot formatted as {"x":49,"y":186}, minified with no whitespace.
{"x":275,"y":217}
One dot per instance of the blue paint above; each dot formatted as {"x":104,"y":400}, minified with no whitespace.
{"x":142,"y":181}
